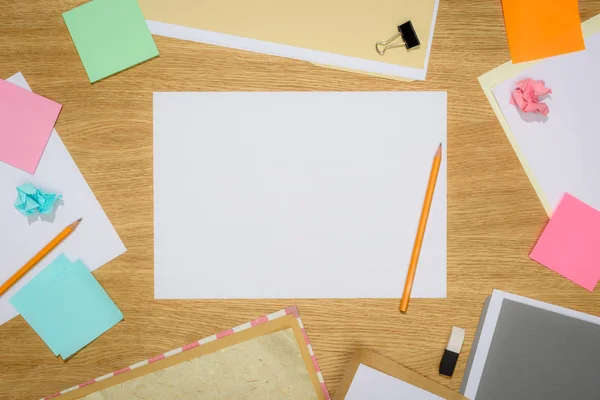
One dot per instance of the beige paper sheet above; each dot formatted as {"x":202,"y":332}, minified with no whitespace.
{"x":268,"y":367}
{"x":348,"y":28}
{"x":506,"y":71}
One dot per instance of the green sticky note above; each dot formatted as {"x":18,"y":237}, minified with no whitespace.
{"x":66,"y":306}
{"x":110,"y":36}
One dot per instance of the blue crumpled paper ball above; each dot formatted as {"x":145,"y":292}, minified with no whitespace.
{"x":32,"y":201}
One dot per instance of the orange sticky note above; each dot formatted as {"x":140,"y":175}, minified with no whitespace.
{"x":570,"y":243}
{"x":542,"y":28}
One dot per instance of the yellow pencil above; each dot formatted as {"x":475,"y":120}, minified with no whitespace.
{"x":414,"y":259}
{"x":39,"y":256}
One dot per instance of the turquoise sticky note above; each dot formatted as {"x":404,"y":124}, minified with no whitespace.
{"x":110,"y":36}
{"x":66,"y":306}
{"x":30,"y":302}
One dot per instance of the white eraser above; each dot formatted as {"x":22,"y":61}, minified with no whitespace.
{"x":456,"y":339}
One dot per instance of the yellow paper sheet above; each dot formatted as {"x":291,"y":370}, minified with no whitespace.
{"x":334,"y":26}
{"x":509,"y":70}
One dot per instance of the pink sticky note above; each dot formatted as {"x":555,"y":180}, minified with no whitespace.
{"x":570,"y":243}
{"x":26,"y":122}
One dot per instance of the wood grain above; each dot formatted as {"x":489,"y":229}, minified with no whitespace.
{"x":494,"y":215}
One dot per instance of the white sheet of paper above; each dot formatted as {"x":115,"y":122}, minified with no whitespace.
{"x":296,"y":195}
{"x":562,"y":149}
{"x":368,"y":383}
{"x":95,"y":241}
{"x":297,"y":53}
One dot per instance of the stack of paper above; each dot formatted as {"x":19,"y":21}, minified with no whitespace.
{"x":96,"y":242}
{"x":331,"y":33}
{"x":66,"y":306}
{"x":560,"y":151}
{"x":558,"y":155}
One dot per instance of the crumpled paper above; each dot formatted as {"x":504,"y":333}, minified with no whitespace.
{"x":527,"y":94}
{"x":32,"y":201}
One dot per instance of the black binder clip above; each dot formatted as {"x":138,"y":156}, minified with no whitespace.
{"x":408,"y":36}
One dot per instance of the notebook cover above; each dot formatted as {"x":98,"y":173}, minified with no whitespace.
{"x":538,"y":352}
{"x":463,"y":385}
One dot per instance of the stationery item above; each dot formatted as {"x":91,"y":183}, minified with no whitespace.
{"x":452,"y":351}
{"x":26,"y":122}
{"x":570,"y":135}
{"x":310,"y":190}
{"x":96,"y":241}
{"x":527,"y":94}
{"x":539,"y":29}
{"x":110,"y":36}
{"x":39,"y":256}
{"x":414,"y":258}
{"x":32,"y":201}
{"x":310,"y":30}
{"x":66,"y":306}
{"x":508,"y":71}
{"x":371,"y":376}
{"x":407,"y":35}
{"x":528,"y":349}
{"x":270,"y":357}
{"x":569,"y":243}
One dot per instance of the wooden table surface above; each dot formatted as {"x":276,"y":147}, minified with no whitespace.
{"x":494,"y":215}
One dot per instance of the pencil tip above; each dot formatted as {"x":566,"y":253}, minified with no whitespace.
{"x":439,"y":150}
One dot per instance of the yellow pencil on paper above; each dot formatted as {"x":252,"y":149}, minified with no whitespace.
{"x":414,"y":259}
{"x":39,"y":256}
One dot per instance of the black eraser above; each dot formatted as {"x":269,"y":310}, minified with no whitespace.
{"x":409,"y":35}
{"x":448,"y":363}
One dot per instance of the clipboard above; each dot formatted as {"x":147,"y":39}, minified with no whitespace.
{"x":283,"y":320}
{"x":336,"y":33}
{"x":389,"y":367}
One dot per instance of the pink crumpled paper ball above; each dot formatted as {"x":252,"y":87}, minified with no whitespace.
{"x":527,"y":94}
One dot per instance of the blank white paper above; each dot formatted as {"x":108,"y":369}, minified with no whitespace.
{"x":368,"y":383}
{"x":296,"y":195}
{"x":562,"y":149}
{"x":95,"y":241}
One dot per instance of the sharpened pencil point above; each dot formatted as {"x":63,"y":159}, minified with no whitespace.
{"x":439,"y":151}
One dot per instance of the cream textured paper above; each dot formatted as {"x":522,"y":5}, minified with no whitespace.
{"x":268,"y":367}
